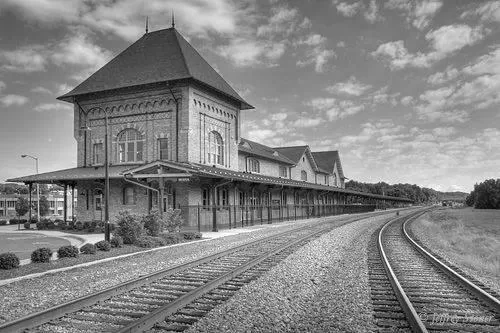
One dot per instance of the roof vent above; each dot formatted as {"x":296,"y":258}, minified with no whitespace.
{"x":275,"y":153}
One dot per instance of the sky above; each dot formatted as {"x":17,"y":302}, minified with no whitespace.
{"x":407,"y":91}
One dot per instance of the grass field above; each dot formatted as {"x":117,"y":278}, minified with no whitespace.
{"x":468,"y":237}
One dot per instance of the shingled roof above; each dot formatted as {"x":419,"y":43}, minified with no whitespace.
{"x":326,"y":160}
{"x":294,"y":153}
{"x":254,"y":148}
{"x":158,"y":56}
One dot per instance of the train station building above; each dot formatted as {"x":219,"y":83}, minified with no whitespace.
{"x":171,"y":128}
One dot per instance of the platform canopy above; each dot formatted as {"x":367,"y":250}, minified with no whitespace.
{"x":182,"y":170}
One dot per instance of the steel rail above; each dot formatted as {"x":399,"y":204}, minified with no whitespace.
{"x":475,"y":290}
{"x":41,"y":317}
{"x":411,"y":314}
{"x":161,"y":313}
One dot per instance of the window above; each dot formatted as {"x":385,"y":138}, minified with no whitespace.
{"x":129,"y":197}
{"x":303,"y":175}
{"x":98,"y":153}
{"x":130,"y":146}
{"x":334,"y":180}
{"x":205,"y":197}
{"x":11,"y":204}
{"x":326,"y":179}
{"x":1,"y":204}
{"x":284,"y":199}
{"x":253,"y":165}
{"x":163,"y":149}
{"x":222,"y":197}
{"x":215,"y":148}
{"x":283,"y":171}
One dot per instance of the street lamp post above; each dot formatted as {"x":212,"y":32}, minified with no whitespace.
{"x":37,"y":186}
{"x":107,"y":230}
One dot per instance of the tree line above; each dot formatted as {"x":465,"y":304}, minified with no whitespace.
{"x":486,"y":195}
{"x":420,"y":195}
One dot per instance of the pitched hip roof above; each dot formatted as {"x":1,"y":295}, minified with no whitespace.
{"x":158,"y":56}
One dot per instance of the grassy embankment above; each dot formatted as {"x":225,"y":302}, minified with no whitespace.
{"x":468,"y":237}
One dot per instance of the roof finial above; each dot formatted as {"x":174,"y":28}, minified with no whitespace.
{"x":147,"y":19}
{"x":173,"y":19}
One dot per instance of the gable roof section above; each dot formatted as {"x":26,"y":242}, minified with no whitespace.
{"x":257,"y":149}
{"x":296,"y":152}
{"x":326,"y":160}
{"x":158,"y":56}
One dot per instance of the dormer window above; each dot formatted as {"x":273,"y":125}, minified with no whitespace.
{"x":283,"y":171}
{"x":253,"y":165}
{"x":303,"y":175}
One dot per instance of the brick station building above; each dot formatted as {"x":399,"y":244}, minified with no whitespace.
{"x":174,"y":141}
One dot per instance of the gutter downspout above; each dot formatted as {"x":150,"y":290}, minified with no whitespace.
{"x":176,"y":124}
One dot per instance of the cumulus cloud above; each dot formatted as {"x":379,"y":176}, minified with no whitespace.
{"x":368,"y":10}
{"x":418,"y":13}
{"x":25,"y":59}
{"x":442,"y":77}
{"x":53,"y":107}
{"x":321,"y":103}
{"x":407,"y":100}
{"x":13,"y":100}
{"x":350,"y":87}
{"x":487,"y":12}
{"x":42,"y":90}
{"x":308,"y":122}
{"x":316,"y":52}
{"x":444,"y":42}
{"x":2,"y":86}
{"x":246,"y":52}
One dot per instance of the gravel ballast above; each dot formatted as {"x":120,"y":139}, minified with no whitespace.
{"x":323,"y":287}
{"x":27,"y":296}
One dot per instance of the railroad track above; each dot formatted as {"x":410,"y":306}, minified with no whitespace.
{"x":417,"y":292}
{"x":172,"y":299}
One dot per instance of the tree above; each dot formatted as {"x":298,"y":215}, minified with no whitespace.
{"x":44,"y":206}
{"x":486,"y":195}
{"x":22,"y":206}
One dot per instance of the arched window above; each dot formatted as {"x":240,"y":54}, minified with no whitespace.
{"x":303,"y":175}
{"x":129,"y":197}
{"x":215,"y":148}
{"x":130,"y":146}
{"x":253,"y":165}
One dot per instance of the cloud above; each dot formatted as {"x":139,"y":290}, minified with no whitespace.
{"x":13,"y":100}
{"x":46,"y":11}
{"x":308,"y":122}
{"x":369,"y":11}
{"x":444,"y":42}
{"x":418,"y":13}
{"x":316,"y":53}
{"x":246,"y":53}
{"x":321,"y":103}
{"x":407,"y":100}
{"x":79,"y":50}
{"x":487,"y":12}
{"x":26,"y":59}
{"x":283,"y":21}
{"x":442,"y":77}
{"x":42,"y":90}
{"x":2,"y":86}
{"x":444,"y":131}
{"x":350,"y":87}
{"x":53,"y":107}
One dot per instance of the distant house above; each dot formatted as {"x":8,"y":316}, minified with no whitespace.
{"x":56,"y":205}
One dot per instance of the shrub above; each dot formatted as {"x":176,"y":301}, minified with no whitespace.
{"x":71,"y":225}
{"x":8,"y":261}
{"x":67,"y":251}
{"x":50,"y":225}
{"x":129,"y":227}
{"x":103,"y":245}
{"x":3,"y":222}
{"x":60,"y":224}
{"x":23,"y":221}
{"x":190,"y":235}
{"x":13,"y":221}
{"x":88,"y":249}
{"x":150,"y":241}
{"x":116,"y":241}
{"x":33,"y":220}
{"x":41,"y":255}
{"x":92,"y":226}
{"x":87,"y":225}
{"x":171,"y":237}
{"x":79,"y":225}
{"x":153,"y":223}
{"x":27,"y":225}
{"x":173,"y":220}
